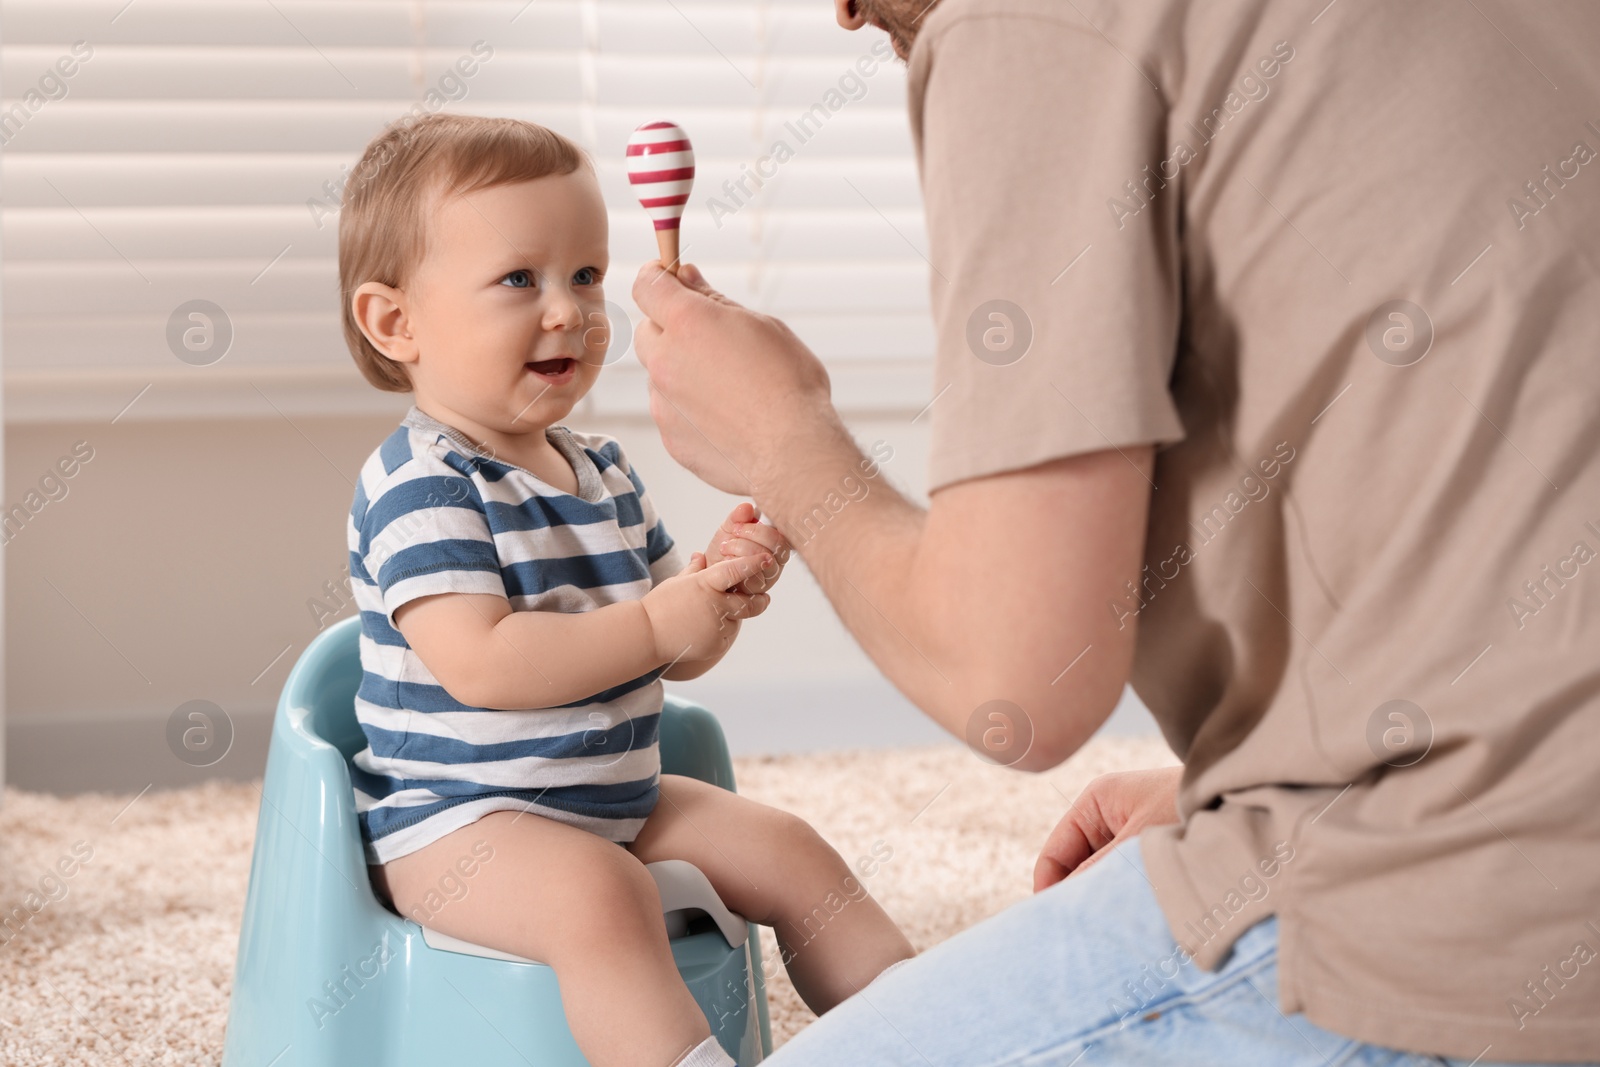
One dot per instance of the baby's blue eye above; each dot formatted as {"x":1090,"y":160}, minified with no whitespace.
{"x":586,"y":276}
{"x":518,"y":279}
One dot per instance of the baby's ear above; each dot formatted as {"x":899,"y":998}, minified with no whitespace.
{"x":380,"y":312}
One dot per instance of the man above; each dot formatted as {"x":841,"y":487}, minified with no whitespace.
{"x":1265,"y":379}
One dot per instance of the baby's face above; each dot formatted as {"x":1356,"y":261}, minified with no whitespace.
{"x":507,"y":307}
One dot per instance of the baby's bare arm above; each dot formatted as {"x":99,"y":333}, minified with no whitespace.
{"x":687,"y":669}
{"x":486,"y":655}
{"x":489,"y":656}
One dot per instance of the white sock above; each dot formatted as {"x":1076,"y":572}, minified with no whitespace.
{"x":707,"y":1054}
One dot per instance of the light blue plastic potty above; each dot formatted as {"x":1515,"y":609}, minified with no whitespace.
{"x":329,"y":977}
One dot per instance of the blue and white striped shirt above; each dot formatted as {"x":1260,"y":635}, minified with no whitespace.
{"x":433,"y":515}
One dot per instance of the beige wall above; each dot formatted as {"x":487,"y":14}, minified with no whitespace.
{"x":183,"y":556}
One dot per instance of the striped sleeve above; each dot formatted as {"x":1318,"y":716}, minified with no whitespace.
{"x":424,"y":532}
{"x":661,"y":551}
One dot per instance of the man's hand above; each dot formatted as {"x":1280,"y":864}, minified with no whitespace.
{"x":1114,"y":808}
{"x":733,"y":391}
{"x":745,"y":406}
{"x":691,"y":613}
{"x":743,"y":533}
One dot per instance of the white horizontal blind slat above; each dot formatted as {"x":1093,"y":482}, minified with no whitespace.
{"x":258,"y":233}
{"x":250,"y":179}
{"x":198,"y":150}
{"x":653,"y":26}
{"x":135,"y":129}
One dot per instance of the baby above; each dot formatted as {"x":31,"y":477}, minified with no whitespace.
{"x":521,"y":602}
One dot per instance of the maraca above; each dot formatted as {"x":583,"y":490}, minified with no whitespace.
{"x":661,"y":170}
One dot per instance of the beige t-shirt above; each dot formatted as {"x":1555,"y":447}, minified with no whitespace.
{"x":1344,"y":266}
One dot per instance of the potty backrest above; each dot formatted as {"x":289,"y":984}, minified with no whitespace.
{"x":326,"y":682}
{"x":311,"y":923}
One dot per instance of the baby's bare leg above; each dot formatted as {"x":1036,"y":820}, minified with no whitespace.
{"x":578,"y":902}
{"x":772,"y":868}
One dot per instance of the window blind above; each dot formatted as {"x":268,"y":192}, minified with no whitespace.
{"x":159,"y":153}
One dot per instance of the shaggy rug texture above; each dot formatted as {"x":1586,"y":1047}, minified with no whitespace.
{"x":130,"y":958}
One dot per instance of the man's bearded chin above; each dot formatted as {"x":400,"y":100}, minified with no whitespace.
{"x":898,"y":18}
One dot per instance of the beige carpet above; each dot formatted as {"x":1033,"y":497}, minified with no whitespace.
{"x":131,"y":958}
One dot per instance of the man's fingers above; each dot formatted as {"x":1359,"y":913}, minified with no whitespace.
{"x":654,"y":290}
{"x":1048,"y":870}
{"x":1099,"y":854}
{"x":1081,"y":833}
{"x":1067,"y":846}
{"x":690,"y":276}
{"x":657,"y":292}
{"x":1046,"y":873}
{"x":1112,"y":809}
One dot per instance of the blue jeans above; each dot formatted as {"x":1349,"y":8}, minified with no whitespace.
{"x":1084,"y":974}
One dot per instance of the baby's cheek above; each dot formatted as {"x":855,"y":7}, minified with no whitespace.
{"x":599,"y":332}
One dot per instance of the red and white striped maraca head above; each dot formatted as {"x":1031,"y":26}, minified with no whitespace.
{"x":661,"y":170}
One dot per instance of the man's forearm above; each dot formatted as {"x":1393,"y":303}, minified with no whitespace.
{"x":864,"y":555}
{"x":992,"y":603}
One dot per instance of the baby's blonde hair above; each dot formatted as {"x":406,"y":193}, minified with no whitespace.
{"x":383,"y":217}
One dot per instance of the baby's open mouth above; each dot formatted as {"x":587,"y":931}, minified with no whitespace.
{"x":554,"y":370}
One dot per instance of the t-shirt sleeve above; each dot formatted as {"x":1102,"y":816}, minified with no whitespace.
{"x":662,"y":553}
{"x":1056,"y":311}
{"x":425,"y":532}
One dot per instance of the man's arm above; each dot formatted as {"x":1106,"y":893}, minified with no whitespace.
{"x":999,"y":591}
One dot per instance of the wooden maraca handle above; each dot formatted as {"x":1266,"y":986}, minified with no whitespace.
{"x":667,"y":242}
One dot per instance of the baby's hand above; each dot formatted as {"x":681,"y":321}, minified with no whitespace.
{"x":689,"y":612}
{"x":743,"y":534}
